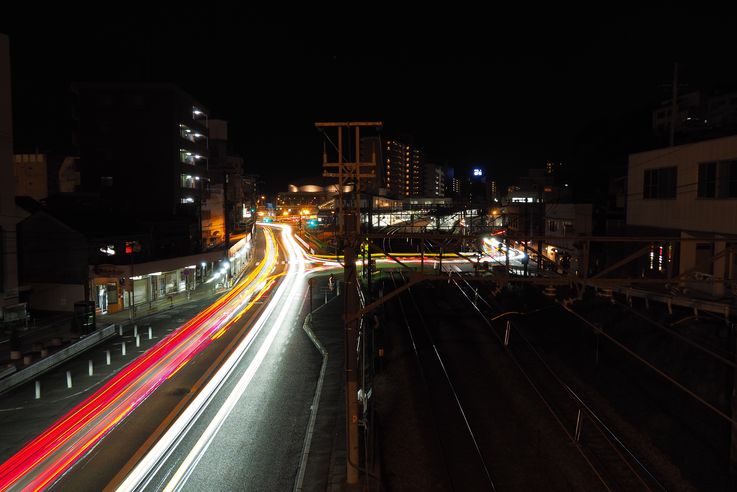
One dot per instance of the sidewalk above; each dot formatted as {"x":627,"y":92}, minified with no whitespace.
{"x":325,"y":468}
{"x":23,"y":416}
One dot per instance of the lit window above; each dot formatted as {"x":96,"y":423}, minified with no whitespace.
{"x":188,"y":181}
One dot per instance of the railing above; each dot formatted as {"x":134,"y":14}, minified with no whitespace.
{"x":48,"y":363}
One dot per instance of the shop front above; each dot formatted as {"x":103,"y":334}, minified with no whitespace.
{"x":106,"y":288}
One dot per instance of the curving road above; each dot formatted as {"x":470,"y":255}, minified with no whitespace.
{"x":249,"y":419}
{"x":50,"y":459}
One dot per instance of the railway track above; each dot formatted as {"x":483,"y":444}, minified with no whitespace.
{"x":615,"y":465}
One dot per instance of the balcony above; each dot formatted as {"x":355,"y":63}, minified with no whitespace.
{"x":192,"y":158}
{"x":191,"y":134}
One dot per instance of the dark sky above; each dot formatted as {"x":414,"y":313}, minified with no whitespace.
{"x":507,"y":89}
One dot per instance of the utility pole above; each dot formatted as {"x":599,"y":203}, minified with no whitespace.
{"x":674,"y":104}
{"x":226,"y":210}
{"x":349,"y":216}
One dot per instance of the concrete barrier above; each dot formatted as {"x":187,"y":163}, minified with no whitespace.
{"x":33,"y":371}
{"x":7,"y":371}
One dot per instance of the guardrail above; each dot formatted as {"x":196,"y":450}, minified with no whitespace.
{"x":25,"y":375}
{"x":7,"y":371}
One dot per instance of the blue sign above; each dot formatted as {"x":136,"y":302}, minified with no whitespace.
{"x":478,"y":172}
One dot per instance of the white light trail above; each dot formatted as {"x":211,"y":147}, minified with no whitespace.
{"x":146,"y":469}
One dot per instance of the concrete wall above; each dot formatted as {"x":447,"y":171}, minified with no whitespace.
{"x":686,"y":211}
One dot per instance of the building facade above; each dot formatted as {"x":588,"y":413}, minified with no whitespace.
{"x":566,"y":222}
{"x":698,"y":114}
{"x":690,"y":189}
{"x":433,"y":181}
{"x":144,"y":149}
{"x":402,"y":168}
{"x":31,"y":175}
{"x":225,"y":204}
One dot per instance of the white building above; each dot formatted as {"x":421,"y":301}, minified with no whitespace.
{"x":692,"y":189}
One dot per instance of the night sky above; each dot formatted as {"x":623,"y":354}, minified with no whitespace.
{"x":508,"y":90}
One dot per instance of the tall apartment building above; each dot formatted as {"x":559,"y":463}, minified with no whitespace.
{"x":402,"y":168}
{"x":492,"y":191}
{"x":144,"y":149}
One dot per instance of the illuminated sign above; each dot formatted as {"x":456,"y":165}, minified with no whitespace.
{"x":478,"y":172}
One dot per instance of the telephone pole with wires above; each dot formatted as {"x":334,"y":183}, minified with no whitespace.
{"x":350,"y":172}
{"x":674,"y":106}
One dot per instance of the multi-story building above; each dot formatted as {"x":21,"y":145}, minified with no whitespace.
{"x":689,"y":191}
{"x":697,"y":115}
{"x":433,"y":181}
{"x":553,"y":168}
{"x":225,"y":170}
{"x":144,"y":149}
{"x":452,"y":183}
{"x":567,"y":222}
{"x":689,"y":114}
{"x":251,"y":194}
{"x":213,"y":215}
{"x":39,"y":175}
{"x":492,"y":191}
{"x":402,"y":168}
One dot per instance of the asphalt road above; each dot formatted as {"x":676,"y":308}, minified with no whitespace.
{"x":251,"y":386}
{"x":257,"y":445}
